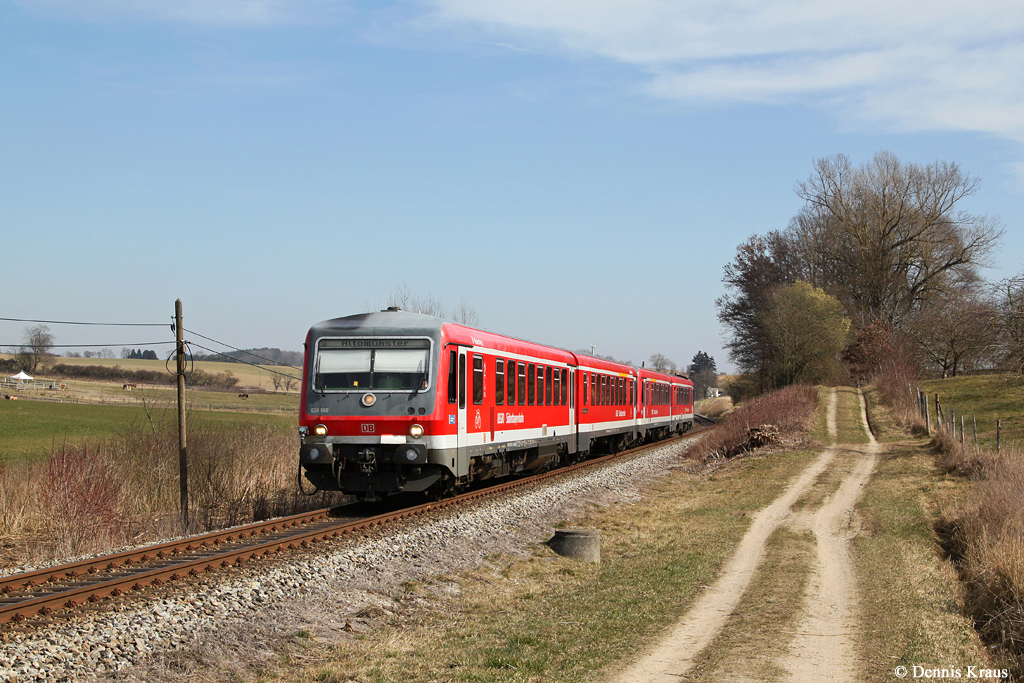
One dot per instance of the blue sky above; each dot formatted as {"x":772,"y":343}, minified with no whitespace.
{"x":579,"y":172}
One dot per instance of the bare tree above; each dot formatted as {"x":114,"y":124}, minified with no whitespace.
{"x":37,"y":344}
{"x":466,"y":314}
{"x":887,"y":236}
{"x":661,"y":363}
{"x":956,"y":332}
{"x":404,"y":298}
{"x":1010,"y":322}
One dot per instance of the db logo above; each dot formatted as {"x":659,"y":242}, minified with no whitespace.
{"x":367,"y":428}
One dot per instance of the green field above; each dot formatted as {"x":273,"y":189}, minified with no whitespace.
{"x":29,"y":429}
{"x":987,"y":397}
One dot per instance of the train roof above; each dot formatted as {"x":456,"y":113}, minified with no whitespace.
{"x":399,"y":322}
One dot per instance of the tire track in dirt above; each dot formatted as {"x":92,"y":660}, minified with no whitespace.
{"x":823,"y":647}
{"x":675,"y":655}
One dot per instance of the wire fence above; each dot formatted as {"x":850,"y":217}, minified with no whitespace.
{"x":940,"y":416}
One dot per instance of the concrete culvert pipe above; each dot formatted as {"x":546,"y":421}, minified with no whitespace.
{"x":579,"y":544}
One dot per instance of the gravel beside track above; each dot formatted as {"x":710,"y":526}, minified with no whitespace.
{"x":231,"y":620}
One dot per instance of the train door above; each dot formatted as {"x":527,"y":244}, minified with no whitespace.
{"x":463,"y":437}
{"x":572,"y":410}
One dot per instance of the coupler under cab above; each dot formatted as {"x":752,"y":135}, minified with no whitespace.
{"x":369,"y":469}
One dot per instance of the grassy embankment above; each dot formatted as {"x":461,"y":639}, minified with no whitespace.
{"x":912,"y":602}
{"x":983,"y":527}
{"x":987,"y":397}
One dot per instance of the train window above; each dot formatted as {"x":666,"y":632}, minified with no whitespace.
{"x":531,"y":384}
{"x":462,"y":380}
{"x":572,"y":387}
{"x":453,"y":377}
{"x":511,"y":383}
{"x":622,"y":391}
{"x":339,"y":367}
{"x":584,"y":388}
{"x":499,"y":382}
{"x":565,"y":386}
{"x":557,"y":386}
{"x":478,"y":379}
{"x":522,"y":384}
{"x":547,"y":386}
{"x":604,"y":390}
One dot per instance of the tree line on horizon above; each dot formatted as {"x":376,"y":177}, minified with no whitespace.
{"x":882,"y":263}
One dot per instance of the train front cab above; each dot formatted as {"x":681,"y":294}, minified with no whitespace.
{"x":370,"y":420}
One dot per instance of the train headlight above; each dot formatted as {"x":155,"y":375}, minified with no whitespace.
{"x":369,"y":400}
{"x":320,"y":430}
{"x":416,"y":431}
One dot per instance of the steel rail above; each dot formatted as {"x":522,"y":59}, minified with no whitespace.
{"x":70,"y":585}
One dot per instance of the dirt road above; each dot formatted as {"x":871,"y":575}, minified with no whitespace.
{"x":821,"y":647}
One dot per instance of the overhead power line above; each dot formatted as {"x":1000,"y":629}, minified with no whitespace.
{"x":82,"y":346}
{"x":283,"y":374}
{"x":72,"y":322}
{"x":254,"y":355}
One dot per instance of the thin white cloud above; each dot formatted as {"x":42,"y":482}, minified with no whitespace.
{"x":915,"y":65}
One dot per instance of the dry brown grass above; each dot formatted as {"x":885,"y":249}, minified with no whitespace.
{"x":714,"y":407}
{"x":790,"y":409}
{"x":986,"y":539}
{"x":95,"y":496}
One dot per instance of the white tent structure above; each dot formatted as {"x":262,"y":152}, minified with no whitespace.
{"x":22,"y":376}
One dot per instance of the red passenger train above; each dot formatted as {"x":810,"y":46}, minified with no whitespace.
{"x":397,"y":401}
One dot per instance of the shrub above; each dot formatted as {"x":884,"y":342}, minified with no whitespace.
{"x":115,"y":372}
{"x":82,"y":500}
{"x":789,"y":409}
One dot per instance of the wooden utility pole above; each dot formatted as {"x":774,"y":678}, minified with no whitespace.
{"x":179,"y":338}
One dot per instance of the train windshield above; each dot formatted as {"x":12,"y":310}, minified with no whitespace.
{"x":379,"y":364}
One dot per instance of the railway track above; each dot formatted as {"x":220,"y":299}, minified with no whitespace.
{"x":38,"y":594}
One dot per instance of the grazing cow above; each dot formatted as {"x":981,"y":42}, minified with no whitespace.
{"x":243,"y":396}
